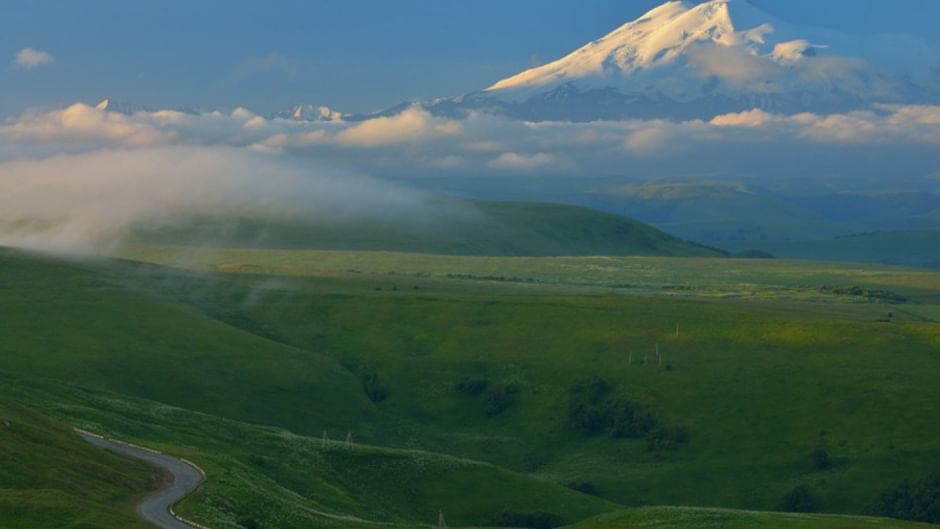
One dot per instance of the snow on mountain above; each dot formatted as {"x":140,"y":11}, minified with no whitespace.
{"x":659,"y":38}
{"x":311,"y":113}
{"x":684,"y":61}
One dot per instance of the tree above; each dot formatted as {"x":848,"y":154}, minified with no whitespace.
{"x":917,"y":501}
{"x":800,"y":499}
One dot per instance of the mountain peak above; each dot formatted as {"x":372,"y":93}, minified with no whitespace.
{"x":659,"y":37}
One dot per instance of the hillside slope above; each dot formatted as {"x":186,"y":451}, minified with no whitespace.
{"x":910,"y":248}
{"x":479,"y":228}
{"x":51,"y":478}
{"x":90,"y":324}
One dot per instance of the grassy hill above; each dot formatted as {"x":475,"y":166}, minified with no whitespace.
{"x":52,"y":478}
{"x":728,"y":212}
{"x":462,"y":228}
{"x":279,"y":479}
{"x":910,"y":248}
{"x":692,"y":518}
{"x":271,"y":478}
{"x":771,"y":363}
{"x":521,"y":384}
{"x":91,"y":323}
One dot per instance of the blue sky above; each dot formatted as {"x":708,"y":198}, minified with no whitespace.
{"x":355,"y":55}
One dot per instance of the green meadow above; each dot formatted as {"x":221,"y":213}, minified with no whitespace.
{"x":495,"y":390}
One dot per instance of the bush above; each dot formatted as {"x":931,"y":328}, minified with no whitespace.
{"x":917,"y":501}
{"x":472,"y":386}
{"x":591,"y":411}
{"x":629,"y":419}
{"x":582,"y":486}
{"x":668,"y":437}
{"x":258,"y":461}
{"x":499,"y":399}
{"x":532,"y":520}
{"x":249,"y":523}
{"x":586,"y":407}
{"x":821,"y":460}
{"x":374,"y":388}
{"x":800,"y":499}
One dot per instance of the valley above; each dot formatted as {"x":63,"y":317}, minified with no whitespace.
{"x":378,"y":346}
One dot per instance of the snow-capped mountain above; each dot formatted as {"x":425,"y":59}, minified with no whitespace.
{"x":310,"y":113}
{"x":684,"y":60}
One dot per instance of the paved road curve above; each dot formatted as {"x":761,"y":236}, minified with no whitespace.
{"x":156,"y":508}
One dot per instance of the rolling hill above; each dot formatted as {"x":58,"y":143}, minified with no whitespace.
{"x":461,"y":380}
{"x":908,"y":248}
{"x":52,"y":478}
{"x":471,"y":228}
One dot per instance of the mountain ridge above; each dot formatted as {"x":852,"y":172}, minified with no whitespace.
{"x":687,"y":61}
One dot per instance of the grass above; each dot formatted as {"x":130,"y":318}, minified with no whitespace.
{"x":449,"y":226}
{"x":767,"y":367}
{"x":693,"y":518}
{"x":911,"y":248}
{"x":685,"y":277}
{"x":88,"y":323}
{"x":52,"y":478}
{"x":284,"y":480}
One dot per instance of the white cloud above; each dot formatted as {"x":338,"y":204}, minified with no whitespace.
{"x":30,"y":59}
{"x":735,"y":66}
{"x":523,"y":161}
{"x":651,"y":138}
{"x":415,"y":143}
{"x":85,"y":124}
{"x":751,"y":118}
{"x":90,"y":202}
{"x":413,"y":124}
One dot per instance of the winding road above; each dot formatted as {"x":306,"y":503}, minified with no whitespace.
{"x":157,"y":508}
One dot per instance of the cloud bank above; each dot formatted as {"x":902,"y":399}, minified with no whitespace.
{"x":83,"y":177}
{"x":91,"y":202}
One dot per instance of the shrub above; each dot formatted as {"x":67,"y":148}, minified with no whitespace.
{"x":591,"y":411}
{"x":630,"y":419}
{"x":917,"y":501}
{"x":499,"y":399}
{"x":249,"y":523}
{"x":586,"y":407}
{"x":821,"y":460}
{"x":472,"y":386}
{"x":800,"y":499}
{"x":532,"y":520}
{"x":259,"y":461}
{"x":668,"y":437}
{"x":375,"y":390}
{"x":585,"y":419}
{"x":582,"y":486}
